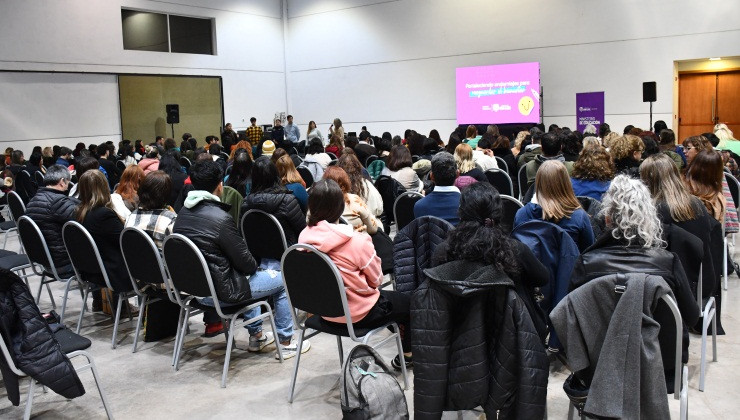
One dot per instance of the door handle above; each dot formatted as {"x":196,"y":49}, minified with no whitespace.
{"x":712,"y":109}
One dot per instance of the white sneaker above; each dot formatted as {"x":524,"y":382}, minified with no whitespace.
{"x":257,"y":344}
{"x":291,"y":349}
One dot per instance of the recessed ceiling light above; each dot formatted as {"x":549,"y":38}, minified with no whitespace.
{"x":715,"y":58}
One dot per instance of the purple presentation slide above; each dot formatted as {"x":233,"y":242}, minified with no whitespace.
{"x":506,"y":93}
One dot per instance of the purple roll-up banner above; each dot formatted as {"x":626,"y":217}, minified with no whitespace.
{"x":589,"y":109}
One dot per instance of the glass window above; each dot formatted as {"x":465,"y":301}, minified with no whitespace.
{"x":191,"y":35}
{"x":144,"y":31}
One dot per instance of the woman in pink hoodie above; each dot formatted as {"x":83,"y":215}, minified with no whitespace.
{"x":150,"y":163}
{"x":354,"y":255}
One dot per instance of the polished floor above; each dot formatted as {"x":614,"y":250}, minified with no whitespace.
{"x":143,"y":385}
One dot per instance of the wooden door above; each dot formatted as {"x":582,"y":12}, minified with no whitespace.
{"x":696,"y":100}
{"x":728,"y":100}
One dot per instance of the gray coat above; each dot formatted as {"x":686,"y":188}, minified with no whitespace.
{"x":595,"y":323}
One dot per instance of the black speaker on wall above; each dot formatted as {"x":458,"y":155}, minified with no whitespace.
{"x":173,"y":113}
{"x":648,"y":92}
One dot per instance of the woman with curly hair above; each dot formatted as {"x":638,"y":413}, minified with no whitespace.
{"x":627,"y":152}
{"x":355,"y":212}
{"x":592,"y":172}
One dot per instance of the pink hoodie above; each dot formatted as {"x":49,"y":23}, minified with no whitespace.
{"x":149,"y":165}
{"x":354,"y":255}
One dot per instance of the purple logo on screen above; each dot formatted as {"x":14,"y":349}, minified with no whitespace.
{"x":507,"y":93}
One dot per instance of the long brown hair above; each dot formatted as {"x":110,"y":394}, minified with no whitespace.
{"x":93,"y":193}
{"x":704,"y":179}
{"x":338,"y":175}
{"x":130,"y":181}
{"x":308,"y":130}
{"x":471,"y":132}
{"x":554,"y":191}
{"x":353,"y":168}
{"x":287,"y":172}
{"x":661,"y":176}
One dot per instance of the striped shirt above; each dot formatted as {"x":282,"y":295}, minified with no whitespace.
{"x":157,"y":223}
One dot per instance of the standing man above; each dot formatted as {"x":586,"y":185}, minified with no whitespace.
{"x":292,"y":134}
{"x":254,"y":135}
{"x":228,"y":138}
{"x":278,"y":134}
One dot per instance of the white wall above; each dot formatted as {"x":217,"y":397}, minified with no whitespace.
{"x":85,"y":36}
{"x":390,"y":65}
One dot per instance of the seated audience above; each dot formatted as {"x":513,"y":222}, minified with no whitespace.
{"x":354,"y":255}
{"x":444,"y":200}
{"x":466,"y":165}
{"x":126,"y":154}
{"x":125,"y":199}
{"x":471,"y":136}
{"x":592,"y":172}
{"x":556,"y":203}
{"x":64,"y":159}
{"x":626,"y":152}
{"x":400,"y":168}
{"x":268,"y":195}
{"x":336,"y":144}
{"x":240,"y":177}
{"x":551,"y":150}
{"x":153,"y":215}
{"x":573,"y":142}
{"x":103,"y":154}
{"x":703,"y":178}
{"x":364,"y":149}
{"x":315,"y":153}
{"x":34,"y":165}
{"x":242,"y":144}
{"x":359,"y":185}
{"x":170,"y":165}
{"x":355,"y":212}
{"x":81,"y":166}
{"x":292,"y":180}
{"x":235,"y":273}
{"x":150,"y":162}
{"x":668,"y":147}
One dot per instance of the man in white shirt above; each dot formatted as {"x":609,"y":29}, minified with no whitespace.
{"x":483,"y":155}
{"x":292,"y":133}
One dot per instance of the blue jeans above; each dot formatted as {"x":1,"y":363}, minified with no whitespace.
{"x":262,"y":285}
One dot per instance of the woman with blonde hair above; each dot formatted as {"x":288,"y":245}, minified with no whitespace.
{"x":726,"y":138}
{"x":291,"y":179}
{"x":355,"y":211}
{"x":125,"y":199}
{"x":556,"y":203}
{"x":336,"y":129}
{"x":627,"y":152}
{"x":592,"y":172}
{"x":466,"y":164}
{"x":520,"y":136}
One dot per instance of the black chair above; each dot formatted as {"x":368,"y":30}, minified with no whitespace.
{"x":228,"y":170}
{"x":370,"y":159}
{"x":189,"y":275}
{"x":16,"y":206}
{"x":522,"y":177}
{"x":500,"y":180}
{"x":389,"y":190}
{"x":415,"y":158}
{"x":306,"y":175}
{"x":384,"y":249}
{"x":510,"y":206}
{"x":502,"y":164}
{"x":296,"y":160}
{"x":185,"y":162}
{"x":25,"y":186}
{"x":121,"y":165}
{"x":264,"y":235}
{"x":332,"y":155}
{"x":314,"y":285}
{"x":90,"y":270}
{"x":41,"y":262}
{"x":39,"y":177}
{"x":403,"y":208}
{"x":145,"y":268}
{"x":333,"y":162}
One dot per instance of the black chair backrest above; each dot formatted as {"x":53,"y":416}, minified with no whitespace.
{"x":732,"y":182}
{"x":501,"y":181}
{"x":522,"y":176}
{"x":415,"y":158}
{"x":384,"y":248}
{"x":17,"y":208}
{"x":264,"y":235}
{"x":185,"y":162}
{"x":121,"y":165}
{"x":306,"y":175}
{"x":510,"y":206}
{"x":83,"y":254}
{"x":33,"y":242}
{"x":529,"y":194}
{"x":224,"y":155}
{"x":312,"y":281}
{"x":333,"y":162}
{"x":502,"y":164}
{"x":39,"y":178}
{"x":296,"y":160}
{"x":332,"y":155}
{"x":25,"y":186}
{"x":370,"y":159}
{"x":186,"y":266}
{"x":403,"y":208}
{"x":141,"y":256}
{"x":228,"y":170}
{"x":389,"y":190}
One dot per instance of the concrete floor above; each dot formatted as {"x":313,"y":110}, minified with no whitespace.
{"x":144,"y":386}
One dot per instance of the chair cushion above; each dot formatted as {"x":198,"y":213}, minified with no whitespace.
{"x":69,"y":341}
{"x":12,"y":261}
{"x":6,"y":225}
{"x":227,"y":310}
{"x":5,"y":253}
{"x":62,"y":275}
{"x":320,"y":324}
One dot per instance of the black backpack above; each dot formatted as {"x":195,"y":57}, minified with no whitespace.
{"x":368,"y":389}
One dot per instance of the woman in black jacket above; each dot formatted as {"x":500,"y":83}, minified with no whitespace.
{"x":633,"y":243}
{"x":269,"y":195}
{"x":170,"y":164}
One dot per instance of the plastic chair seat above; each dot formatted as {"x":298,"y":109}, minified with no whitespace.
{"x":63,"y":276}
{"x":320,"y":324}
{"x":7,"y":225}
{"x":12,"y":261}
{"x":69,"y":341}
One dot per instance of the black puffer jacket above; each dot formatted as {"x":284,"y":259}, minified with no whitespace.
{"x":209,"y":225}
{"x":474,"y":344}
{"x":413,"y":248}
{"x":51,"y":209}
{"x":31,"y":343}
{"x":284,"y":206}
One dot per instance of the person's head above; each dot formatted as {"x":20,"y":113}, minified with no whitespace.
{"x":336,"y":140}
{"x":723,"y":132}
{"x":520,"y":136}
{"x":268,"y":148}
{"x":154,"y":191}
{"x":659,"y":126}
{"x":169,"y":144}
{"x":315,"y":146}
{"x":253,"y":121}
{"x":35,"y":158}
{"x":102,"y":151}
{"x":399,"y":158}
{"x":651,"y":147}
{"x":36,"y":149}
{"x":265,"y":176}
{"x":227,"y":127}
{"x":627,"y":146}
{"x":241,"y":171}
{"x":353,"y":168}
{"x":287,"y":172}
{"x":430,"y":146}
{"x":340,"y":177}
{"x":486,"y":141}
{"x":555,"y":191}
{"x":693,"y":145}
{"x":444,"y":169}
{"x":552,"y":144}
{"x":206,"y":175}
{"x":325,"y":202}
{"x":589,"y":130}
{"x":278,"y":123}
{"x":628,"y":128}
{"x":93,"y":192}
{"x":16,"y":157}
{"x":365,"y":136}
{"x":85,"y":164}
{"x":660,"y":175}
{"x":130,"y":181}
{"x":667,"y":139}
{"x":337,"y":123}
{"x":434,"y":134}
{"x":493,"y":130}
{"x":630,"y":214}
{"x":151,"y":151}
{"x":57,"y":177}
{"x":591,"y":142}
{"x":704,"y":174}
{"x":609,"y":138}
{"x":311,"y":125}
{"x":126,"y":150}
{"x":193,"y":143}
{"x":572,"y":142}
{"x":464,"y":158}
{"x":416,"y":144}
{"x":604,"y":129}
{"x":278,"y":154}
{"x":290,"y":119}
{"x":396,"y":141}
{"x":351,"y":142}
{"x":553,"y":128}
{"x":214,"y":149}
{"x":479,"y":236}
{"x":501,"y":142}
{"x":471,"y":132}
{"x":47,"y":152}
{"x":594,"y":163}
{"x":169,"y":164}
{"x":65,"y":152}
